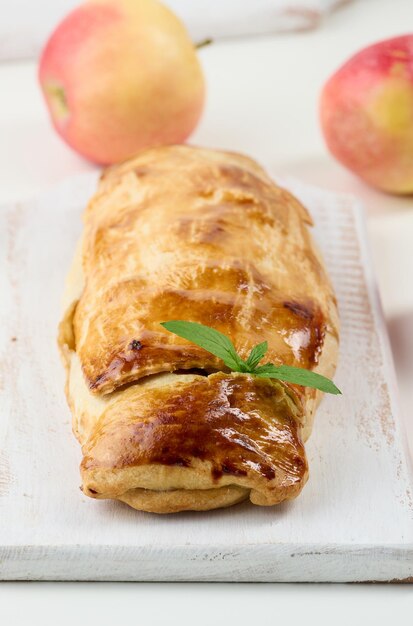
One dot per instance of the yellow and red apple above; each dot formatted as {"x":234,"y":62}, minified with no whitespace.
{"x":119,"y":76}
{"x":367,"y":114}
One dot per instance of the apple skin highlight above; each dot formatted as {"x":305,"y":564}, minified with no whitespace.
{"x":119,"y":76}
{"x":366,"y":111}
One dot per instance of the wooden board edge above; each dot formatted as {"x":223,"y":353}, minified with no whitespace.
{"x":253,"y":563}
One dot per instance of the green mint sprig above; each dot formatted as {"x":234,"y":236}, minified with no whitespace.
{"x":222,"y":347}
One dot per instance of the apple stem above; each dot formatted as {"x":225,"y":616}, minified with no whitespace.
{"x":203,"y":43}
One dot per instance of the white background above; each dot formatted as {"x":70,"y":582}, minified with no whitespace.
{"x":262,"y":99}
{"x":23,"y":30}
{"x":199,"y":604}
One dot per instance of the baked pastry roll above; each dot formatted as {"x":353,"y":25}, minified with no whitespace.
{"x":206,"y":236}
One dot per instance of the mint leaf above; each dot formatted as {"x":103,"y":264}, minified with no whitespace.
{"x":210,"y":339}
{"x":256,"y":354}
{"x":222,"y":347}
{"x":297,"y":375}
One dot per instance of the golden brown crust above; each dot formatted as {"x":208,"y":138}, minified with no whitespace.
{"x":213,"y":430}
{"x":177,"y":229}
{"x":185,"y":233}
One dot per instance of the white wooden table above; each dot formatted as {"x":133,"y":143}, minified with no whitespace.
{"x":262,"y":100}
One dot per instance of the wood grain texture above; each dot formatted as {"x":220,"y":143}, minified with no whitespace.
{"x":354,"y":519}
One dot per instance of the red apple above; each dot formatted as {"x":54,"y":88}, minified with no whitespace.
{"x":119,"y":76}
{"x":367,"y":114}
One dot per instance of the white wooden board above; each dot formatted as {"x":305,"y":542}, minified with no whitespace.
{"x":354,"y":519}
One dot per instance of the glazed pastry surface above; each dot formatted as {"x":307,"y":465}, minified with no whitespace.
{"x":205,"y":236}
